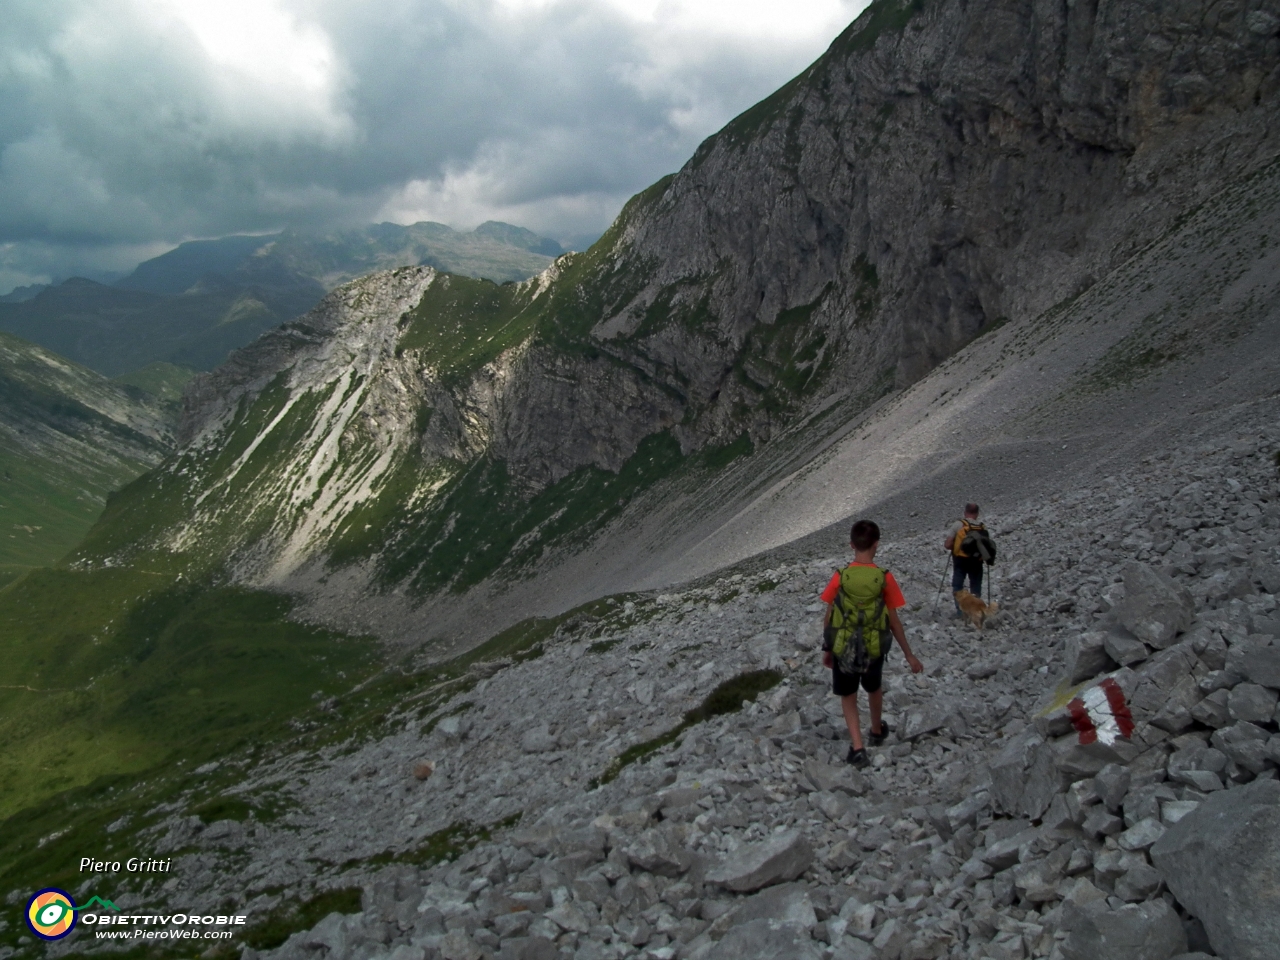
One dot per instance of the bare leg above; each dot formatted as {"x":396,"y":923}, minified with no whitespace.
{"x":849,"y":705}
{"x":877,"y":702}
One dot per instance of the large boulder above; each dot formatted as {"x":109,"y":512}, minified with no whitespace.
{"x":1155,"y":609}
{"x":753,"y":866}
{"x":1024,"y":776}
{"x":1222,"y":862}
{"x":1137,"y":931}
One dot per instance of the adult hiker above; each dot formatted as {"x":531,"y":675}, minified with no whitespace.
{"x":862,"y":612}
{"x":967,"y":552}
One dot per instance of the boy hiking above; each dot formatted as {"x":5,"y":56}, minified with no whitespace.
{"x":862,"y":611}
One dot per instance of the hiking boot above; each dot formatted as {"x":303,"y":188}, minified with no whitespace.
{"x":856,"y":758}
{"x":875,"y":739}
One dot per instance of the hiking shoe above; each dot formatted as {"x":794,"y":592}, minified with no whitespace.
{"x":857,"y":758}
{"x":875,"y":739}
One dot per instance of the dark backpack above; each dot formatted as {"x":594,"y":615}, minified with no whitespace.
{"x":973,"y":541}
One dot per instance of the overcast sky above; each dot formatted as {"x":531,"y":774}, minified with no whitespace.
{"x":127,"y":126}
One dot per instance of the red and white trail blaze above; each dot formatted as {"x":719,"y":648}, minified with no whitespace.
{"x":1101,"y":714}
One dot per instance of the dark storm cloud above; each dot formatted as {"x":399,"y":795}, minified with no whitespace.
{"x":128,"y":125}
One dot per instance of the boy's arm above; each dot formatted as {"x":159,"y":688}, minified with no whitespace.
{"x":899,"y":634}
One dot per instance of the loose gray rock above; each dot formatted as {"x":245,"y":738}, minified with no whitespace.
{"x":653,"y":851}
{"x":1261,"y":664}
{"x":1250,"y":701}
{"x":1112,"y":783}
{"x":1008,"y":769}
{"x":1142,"y":834}
{"x":1087,"y":657}
{"x":1146,"y":931}
{"x":785,"y":903}
{"x":851,"y":948}
{"x":1124,"y":648}
{"x":528,"y":948}
{"x":766,"y":940}
{"x":784,"y":856}
{"x":1220,"y":861}
{"x":1155,"y":609}
{"x":538,"y":740}
{"x":829,"y":778}
{"x":1139,"y":882}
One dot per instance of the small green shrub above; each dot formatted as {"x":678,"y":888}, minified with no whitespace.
{"x":289,"y":917}
{"x":728,"y":697}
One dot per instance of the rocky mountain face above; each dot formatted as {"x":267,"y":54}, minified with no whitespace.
{"x":943,"y":168}
{"x":68,"y":437}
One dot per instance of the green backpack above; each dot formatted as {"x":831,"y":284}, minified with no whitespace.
{"x":859,"y":619}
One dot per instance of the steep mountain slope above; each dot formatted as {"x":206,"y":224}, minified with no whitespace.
{"x":68,"y":437}
{"x":943,"y":171}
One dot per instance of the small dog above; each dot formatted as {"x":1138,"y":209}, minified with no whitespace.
{"x":974,"y":609}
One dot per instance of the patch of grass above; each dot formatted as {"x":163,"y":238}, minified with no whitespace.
{"x":880,"y":17}
{"x":728,"y":697}
{"x":223,"y":808}
{"x":443,"y":846}
{"x":164,"y":381}
{"x":604,"y":646}
{"x":785,"y":360}
{"x":290,"y":917}
{"x":1140,"y":353}
{"x":764,"y":586}
{"x":866,"y":293}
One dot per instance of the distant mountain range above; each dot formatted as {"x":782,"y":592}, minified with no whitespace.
{"x":191,"y":306}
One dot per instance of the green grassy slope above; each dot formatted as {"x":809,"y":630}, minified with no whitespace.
{"x":68,"y":437}
{"x":164,"y":381}
{"x":115,"y":671}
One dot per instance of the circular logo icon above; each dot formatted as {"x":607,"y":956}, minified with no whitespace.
{"x":51,"y":914}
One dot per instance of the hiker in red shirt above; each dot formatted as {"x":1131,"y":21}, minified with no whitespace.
{"x":862,"y":611}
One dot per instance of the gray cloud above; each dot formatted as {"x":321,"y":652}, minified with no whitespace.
{"x":129,"y":125}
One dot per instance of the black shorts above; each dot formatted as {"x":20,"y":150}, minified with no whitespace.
{"x":843,"y":684}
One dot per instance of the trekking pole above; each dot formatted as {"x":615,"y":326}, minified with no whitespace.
{"x":938,"y":598}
